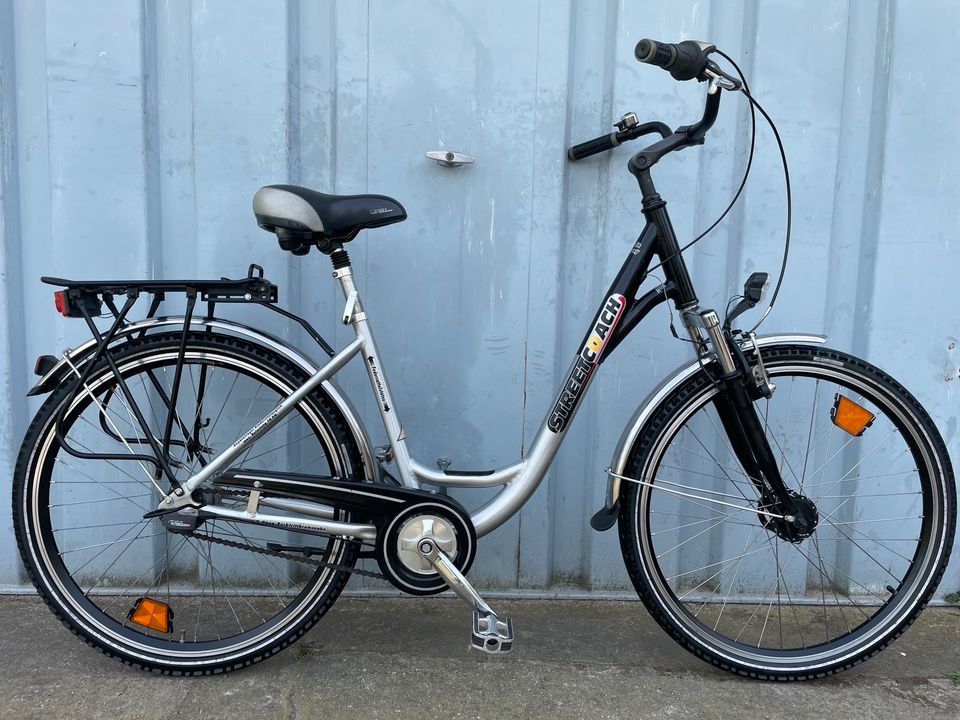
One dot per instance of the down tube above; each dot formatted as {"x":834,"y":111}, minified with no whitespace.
{"x":618,"y":304}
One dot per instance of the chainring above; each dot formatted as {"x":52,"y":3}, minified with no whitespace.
{"x":420,"y":583}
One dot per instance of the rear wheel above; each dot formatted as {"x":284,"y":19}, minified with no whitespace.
{"x":738,"y":587}
{"x":213,"y":599}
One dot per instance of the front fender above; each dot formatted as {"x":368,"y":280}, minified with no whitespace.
{"x":633,"y":428}
{"x":59,"y":372}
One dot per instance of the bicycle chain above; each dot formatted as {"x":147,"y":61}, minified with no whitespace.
{"x":277,"y":553}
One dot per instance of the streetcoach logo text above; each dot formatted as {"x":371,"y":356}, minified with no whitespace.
{"x":585,"y":363}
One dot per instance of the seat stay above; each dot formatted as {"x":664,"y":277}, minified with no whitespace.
{"x":219,"y":463}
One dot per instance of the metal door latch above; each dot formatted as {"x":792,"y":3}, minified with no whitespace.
{"x":448,"y":158}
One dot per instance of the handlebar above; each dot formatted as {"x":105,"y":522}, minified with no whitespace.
{"x":612,"y":140}
{"x":593,"y":147}
{"x":685,"y":61}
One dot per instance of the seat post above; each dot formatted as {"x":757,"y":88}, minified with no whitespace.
{"x":343,"y":272}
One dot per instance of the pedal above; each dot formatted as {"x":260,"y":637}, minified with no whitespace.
{"x":491,"y":634}
{"x":488,"y":633}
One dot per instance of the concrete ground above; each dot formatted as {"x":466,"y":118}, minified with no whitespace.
{"x":389,"y":658}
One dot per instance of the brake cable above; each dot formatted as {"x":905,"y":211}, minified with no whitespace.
{"x":754,"y":107}
{"x":789,"y":193}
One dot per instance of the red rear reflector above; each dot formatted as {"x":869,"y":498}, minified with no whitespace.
{"x":60,"y":300}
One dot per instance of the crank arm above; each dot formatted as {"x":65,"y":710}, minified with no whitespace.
{"x":489,"y":632}
{"x":454,"y":578}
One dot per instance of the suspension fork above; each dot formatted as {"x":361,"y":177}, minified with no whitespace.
{"x":738,"y":414}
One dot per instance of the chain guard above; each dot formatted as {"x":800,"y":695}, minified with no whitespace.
{"x":385,"y":506}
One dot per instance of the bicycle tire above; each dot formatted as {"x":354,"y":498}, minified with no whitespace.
{"x":646,"y":569}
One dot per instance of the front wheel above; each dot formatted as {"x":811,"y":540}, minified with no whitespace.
{"x":736,"y":586}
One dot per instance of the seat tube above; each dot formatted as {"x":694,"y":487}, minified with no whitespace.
{"x":353,"y":314}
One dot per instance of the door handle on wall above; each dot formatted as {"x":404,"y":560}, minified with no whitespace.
{"x":448,"y":158}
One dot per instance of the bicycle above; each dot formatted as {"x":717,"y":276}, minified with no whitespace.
{"x":785,"y":510}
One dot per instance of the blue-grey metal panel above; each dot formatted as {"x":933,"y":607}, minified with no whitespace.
{"x":133,"y":138}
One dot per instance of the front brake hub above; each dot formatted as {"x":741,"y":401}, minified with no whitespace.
{"x":796,"y":526}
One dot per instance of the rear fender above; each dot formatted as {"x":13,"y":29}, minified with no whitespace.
{"x":58,"y":373}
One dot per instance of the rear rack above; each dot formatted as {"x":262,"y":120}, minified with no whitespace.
{"x":86,"y":298}
{"x":253,"y":288}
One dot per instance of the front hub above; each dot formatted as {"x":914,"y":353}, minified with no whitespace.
{"x":797,"y":525}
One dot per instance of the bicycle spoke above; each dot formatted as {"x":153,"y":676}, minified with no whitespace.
{"x":764,"y":596}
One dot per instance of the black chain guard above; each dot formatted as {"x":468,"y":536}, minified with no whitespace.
{"x":385,"y":506}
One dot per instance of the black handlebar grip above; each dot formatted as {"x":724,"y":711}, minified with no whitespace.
{"x":655,"y":53}
{"x":592,"y":147}
{"x":685,"y":60}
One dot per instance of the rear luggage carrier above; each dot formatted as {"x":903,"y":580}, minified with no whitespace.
{"x":86,"y":299}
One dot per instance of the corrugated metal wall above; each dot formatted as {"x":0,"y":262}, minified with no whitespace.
{"x":134,"y":135}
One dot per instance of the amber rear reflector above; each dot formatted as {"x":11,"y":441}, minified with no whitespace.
{"x":849,"y":416}
{"x":152,"y":614}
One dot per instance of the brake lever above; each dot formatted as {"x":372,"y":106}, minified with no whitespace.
{"x":718,"y":78}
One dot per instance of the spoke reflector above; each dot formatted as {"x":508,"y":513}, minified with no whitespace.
{"x":152,"y":614}
{"x":849,"y":416}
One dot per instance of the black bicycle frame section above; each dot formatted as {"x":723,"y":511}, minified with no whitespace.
{"x":622,"y":311}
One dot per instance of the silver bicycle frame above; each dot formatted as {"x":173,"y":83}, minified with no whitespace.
{"x":519,"y":480}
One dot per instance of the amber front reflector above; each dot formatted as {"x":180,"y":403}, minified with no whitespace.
{"x":152,"y":614}
{"x":849,"y":416}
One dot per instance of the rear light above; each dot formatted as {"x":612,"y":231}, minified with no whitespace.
{"x":60,"y":300}
{"x":72,"y":302}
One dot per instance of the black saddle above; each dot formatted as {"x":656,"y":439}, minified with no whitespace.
{"x":302,"y":217}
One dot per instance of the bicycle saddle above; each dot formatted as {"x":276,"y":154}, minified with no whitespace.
{"x":301,"y":210}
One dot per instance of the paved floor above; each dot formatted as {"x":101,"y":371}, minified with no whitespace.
{"x":390,"y":658}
